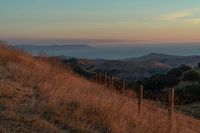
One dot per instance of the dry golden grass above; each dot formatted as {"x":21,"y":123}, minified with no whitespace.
{"x":39,"y":95}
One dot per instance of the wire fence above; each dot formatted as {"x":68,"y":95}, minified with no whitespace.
{"x":165,"y":99}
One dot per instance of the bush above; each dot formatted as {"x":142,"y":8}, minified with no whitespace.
{"x":191,"y":76}
{"x":188,"y":94}
{"x":177,"y":72}
{"x":198,"y":65}
{"x":158,"y":82}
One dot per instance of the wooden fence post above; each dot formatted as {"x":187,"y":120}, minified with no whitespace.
{"x":171,"y":102}
{"x":105,"y":80}
{"x":112,"y":82}
{"x":140,"y":97}
{"x":100,"y":77}
{"x":109,"y":81}
{"x":123,"y":90}
{"x":171,"y":109}
{"x":96,"y":77}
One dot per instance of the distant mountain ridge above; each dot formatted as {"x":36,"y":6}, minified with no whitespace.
{"x":55,"y":46}
{"x":132,"y":68}
{"x":158,"y":56}
{"x":171,"y":60}
{"x":68,"y":50}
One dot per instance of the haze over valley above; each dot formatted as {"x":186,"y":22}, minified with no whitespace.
{"x":108,"y":51}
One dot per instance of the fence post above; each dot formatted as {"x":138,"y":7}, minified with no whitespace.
{"x":109,"y":81}
{"x":96,"y":77}
{"x":178,"y":124}
{"x":171,"y":109}
{"x":140,"y":97}
{"x":171,"y":102}
{"x":112,"y":83}
{"x":123,"y":89}
{"x":105,"y":80}
{"x":100,"y":77}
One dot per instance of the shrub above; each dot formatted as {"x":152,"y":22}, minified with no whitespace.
{"x":188,"y":94}
{"x":177,"y":72}
{"x":191,"y":76}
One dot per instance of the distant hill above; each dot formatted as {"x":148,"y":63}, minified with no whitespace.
{"x":155,"y":56}
{"x":128,"y":70}
{"x":138,"y":67}
{"x":54,"y":47}
{"x":171,"y":60}
{"x":55,"y":50}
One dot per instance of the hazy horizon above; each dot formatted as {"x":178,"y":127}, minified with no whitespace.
{"x":113,"y":51}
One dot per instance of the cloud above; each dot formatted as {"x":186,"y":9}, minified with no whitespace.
{"x":179,"y":15}
{"x":174,"y":16}
{"x":193,"y":21}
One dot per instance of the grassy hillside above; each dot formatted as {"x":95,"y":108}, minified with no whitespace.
{"x":40,"y":95}
{"x":122,"y":69}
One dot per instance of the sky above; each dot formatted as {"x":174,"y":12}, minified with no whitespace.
{"x":101,"y":20}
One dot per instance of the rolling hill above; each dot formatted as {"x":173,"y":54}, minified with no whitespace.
{"x":171,"y":60}
{"x":41,"y":95}
{"x":138,"y":68}
{"x":128,"y":70}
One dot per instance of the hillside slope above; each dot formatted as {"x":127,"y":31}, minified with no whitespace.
{"x":137,"y":68}
{"x":39,"y":95}
{"x":127,"y":70}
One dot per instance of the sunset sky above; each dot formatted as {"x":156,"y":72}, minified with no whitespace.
{"x":117,"y":20}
